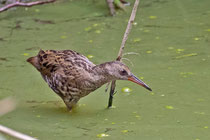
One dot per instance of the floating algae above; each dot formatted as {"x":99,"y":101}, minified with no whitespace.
{"x":186,"y":55}
{"x":152,"y":17}
{"x":126,"y":90}
{"x":102,"y":135}
{"x":169,"y":107}
{"x":90,"y":56}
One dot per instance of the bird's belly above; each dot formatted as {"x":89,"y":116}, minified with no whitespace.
{"x":64,"y":89}
{"x":61,"y":89}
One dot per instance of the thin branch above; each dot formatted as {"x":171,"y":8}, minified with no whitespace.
{"x":111,"y":95}
{"x":128,"y":29}
{"x":125,"y":37}
{"x":21,"y":4}
{"x":15,"y":134}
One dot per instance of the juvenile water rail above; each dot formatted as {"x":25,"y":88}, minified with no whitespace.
{"x":72,"y":76}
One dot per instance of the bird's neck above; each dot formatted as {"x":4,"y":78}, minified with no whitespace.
{"x":100,"y":75}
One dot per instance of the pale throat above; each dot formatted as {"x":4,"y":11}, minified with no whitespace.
{"x":100,"y":76}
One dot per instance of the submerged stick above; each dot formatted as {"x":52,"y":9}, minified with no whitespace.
{"x":111,"y":7}
{"x":125,"y":37}
{"x":111,"y":95}
{"x":29,"y":4}
{"x":15,"y":134}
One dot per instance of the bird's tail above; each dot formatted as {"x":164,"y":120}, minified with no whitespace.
{"x":34,"y":61}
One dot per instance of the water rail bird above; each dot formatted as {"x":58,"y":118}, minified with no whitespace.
{"x":72,"y":75}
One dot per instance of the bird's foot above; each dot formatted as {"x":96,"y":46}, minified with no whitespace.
{"x":70,"y":103}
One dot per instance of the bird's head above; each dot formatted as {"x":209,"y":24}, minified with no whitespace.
{"x":119,"y":71}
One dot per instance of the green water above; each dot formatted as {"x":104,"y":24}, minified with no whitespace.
{"x":172,"y":39}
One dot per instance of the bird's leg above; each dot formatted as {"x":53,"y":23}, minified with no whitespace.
{"x":70,"y":102}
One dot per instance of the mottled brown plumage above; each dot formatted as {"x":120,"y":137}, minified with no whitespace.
{"x":72,"y":76}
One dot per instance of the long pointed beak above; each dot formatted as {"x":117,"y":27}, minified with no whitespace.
{"x":136,"y":80}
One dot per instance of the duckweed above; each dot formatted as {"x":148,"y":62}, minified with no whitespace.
{"x":25,"y":54}
{"x":124,"y":131}
{"x":169,"y":107}
{"x":102,"y":135}
{"x":90,"y":56}
{"x":152,"y":17}
{"x":126,"y":90}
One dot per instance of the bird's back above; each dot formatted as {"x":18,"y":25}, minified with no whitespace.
{"x":50,"y":61}
{"x":62,"y":69}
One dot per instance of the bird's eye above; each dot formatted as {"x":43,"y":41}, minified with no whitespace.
{"x":123,"y":72}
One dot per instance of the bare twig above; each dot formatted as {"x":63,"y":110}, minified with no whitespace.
{"x":125,"y":37}
{"x":128,"y":29}
{"x":15,"y":134}
{"x":21,"y":4}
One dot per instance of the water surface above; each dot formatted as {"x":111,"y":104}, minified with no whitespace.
{"x":172,"y":39}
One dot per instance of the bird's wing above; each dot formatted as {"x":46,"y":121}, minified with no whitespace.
{"x":67,"y":62}
{"x":63,"y":70}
